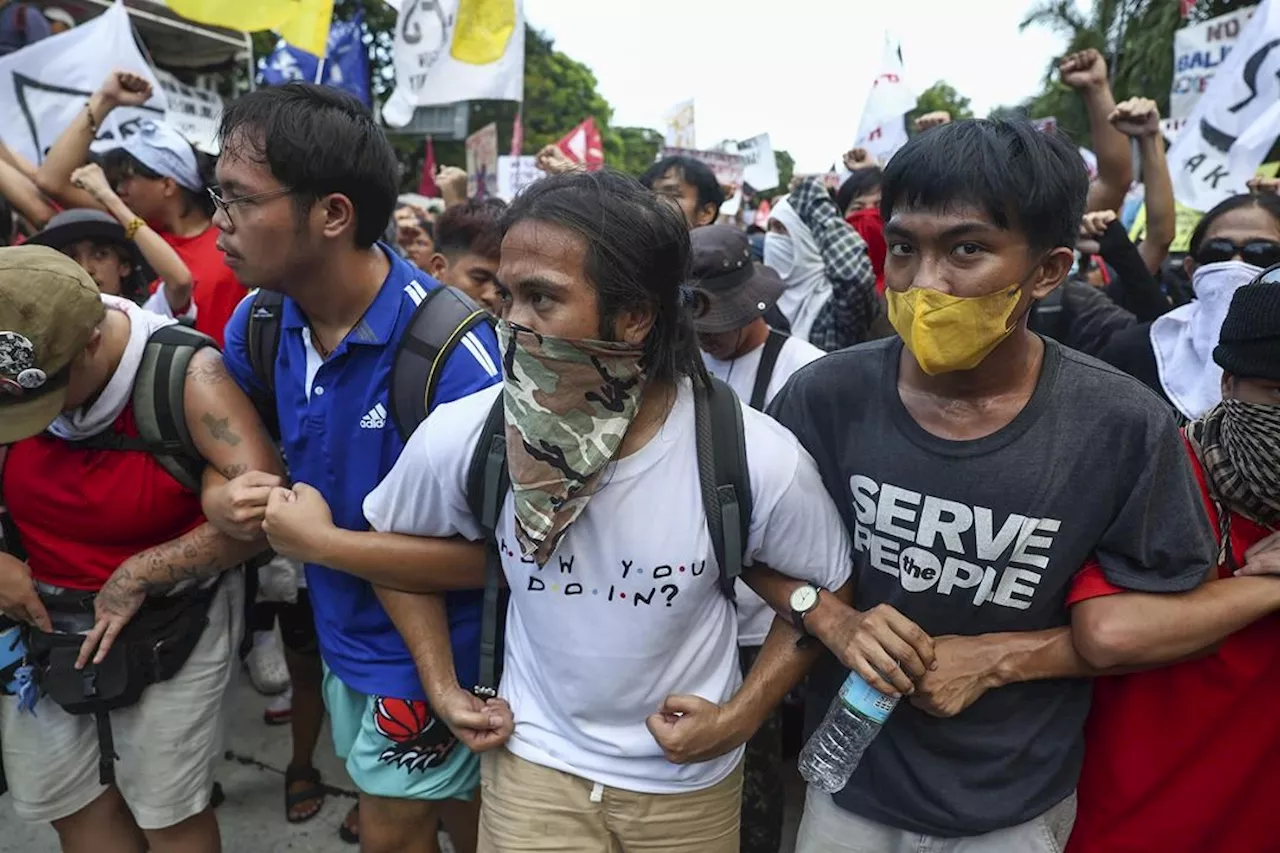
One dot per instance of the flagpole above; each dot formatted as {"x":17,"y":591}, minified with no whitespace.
{"x":320,"y":70}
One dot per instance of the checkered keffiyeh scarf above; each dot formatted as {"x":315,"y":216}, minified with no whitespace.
{"x":1239,"y":444}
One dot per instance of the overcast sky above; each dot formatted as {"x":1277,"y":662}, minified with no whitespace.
{"x":796,"y":69}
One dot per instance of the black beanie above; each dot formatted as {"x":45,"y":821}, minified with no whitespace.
{"x":1249,"y":343}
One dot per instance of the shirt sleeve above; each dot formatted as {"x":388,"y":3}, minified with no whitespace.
{"x":1089,"y":583}
{"x":1160,"y":539}
{"x":158,"y":303}
{"x":472,"y":366}
{"x":425,"y":492}
{"x":235,"y":354}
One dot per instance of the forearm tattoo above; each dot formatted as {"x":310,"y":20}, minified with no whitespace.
{"x":220,"y":429}
{"x":189,"y":560}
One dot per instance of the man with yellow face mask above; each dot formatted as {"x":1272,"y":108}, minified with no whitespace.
{"x":977,"y":467}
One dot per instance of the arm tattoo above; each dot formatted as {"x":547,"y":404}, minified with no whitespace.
{"x":233,"y":471}
{"x":220,"y":429}
{"x":207,"y":370}
{"x":187,"y":561}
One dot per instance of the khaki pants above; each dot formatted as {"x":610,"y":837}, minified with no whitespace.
{"x":528,"y":807}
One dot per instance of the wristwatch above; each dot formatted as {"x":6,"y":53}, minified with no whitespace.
{"x":803,"y":600}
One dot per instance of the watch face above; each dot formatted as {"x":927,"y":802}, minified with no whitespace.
{"x":804,"y":599}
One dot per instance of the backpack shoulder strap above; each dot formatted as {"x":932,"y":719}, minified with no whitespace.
{"x":764,"y":373}
{"x":159,"y":408}
{"x":262,"y":339}
{"x":724,"y":476}
{"x":487,"y":486}
{"x":1049,"y":316}
{"x":439,"y":323}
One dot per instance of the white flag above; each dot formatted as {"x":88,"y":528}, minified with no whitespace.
{"x":456,"y":50}
{"x":1236,"y":121}
{"x":883,"y":129}
{"x":44,"y":86}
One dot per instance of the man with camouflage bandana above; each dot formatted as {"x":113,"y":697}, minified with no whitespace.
{"x":621,"y":660}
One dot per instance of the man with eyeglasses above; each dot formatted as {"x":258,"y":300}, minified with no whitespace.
{"x":157,"y":175}
{"x":307,"y":184}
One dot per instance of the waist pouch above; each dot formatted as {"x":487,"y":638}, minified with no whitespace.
{"x":153,"y":647}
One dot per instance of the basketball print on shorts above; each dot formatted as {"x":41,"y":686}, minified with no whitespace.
{"x":419,"y":740}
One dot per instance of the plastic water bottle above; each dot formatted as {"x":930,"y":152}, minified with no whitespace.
{"x":854,"y":719}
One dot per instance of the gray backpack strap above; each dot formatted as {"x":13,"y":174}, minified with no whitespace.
{"x":724,"y":476}
{"x":159,"y":407}
{"x":438,"y":325}
{"x":487,"y":485}
{"x":262,"y":339}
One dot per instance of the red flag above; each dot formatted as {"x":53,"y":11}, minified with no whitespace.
{"x":583,"y":145}
{"x":517,"y":136}
{"x":1187,"y":6}
{"x":427,"y":186}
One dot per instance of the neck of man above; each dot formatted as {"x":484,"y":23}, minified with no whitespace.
{"x":655,"y":404}
{"x":1012,"y":366}
{"x":185,"y":221}
{"x":116,"y":331}
{"x":752,"y":337}
{"x":335,"y":291}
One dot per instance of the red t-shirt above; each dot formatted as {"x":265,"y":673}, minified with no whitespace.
{"x":81,"y":513}
{"x":1185,"y":758}
{"x":216,"y":290}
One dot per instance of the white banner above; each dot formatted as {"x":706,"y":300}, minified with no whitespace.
{"x":680,"y":128}
{"x":194,"y":111}
{"x":759,"y":168}
{"x":1198,"y":51}
{"x":1233,"y":126}
{"x":456,"y":50}
{"x":44,"y":86}
{"x":883,"y":129}
{"x":516,"y":173}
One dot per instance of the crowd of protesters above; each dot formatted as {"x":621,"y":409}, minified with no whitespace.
{"x":980,"y":448}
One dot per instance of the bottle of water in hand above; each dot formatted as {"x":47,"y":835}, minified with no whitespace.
{"x":854,"y":719}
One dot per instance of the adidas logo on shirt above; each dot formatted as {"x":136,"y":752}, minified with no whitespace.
{"x":376,"y":419}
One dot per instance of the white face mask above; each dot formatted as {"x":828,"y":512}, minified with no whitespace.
{"x":779,"y":253}
{"x":1216,"y":277}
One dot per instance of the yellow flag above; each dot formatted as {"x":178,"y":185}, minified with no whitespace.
{"x":302,"y":23}
{"x":484,"y":29}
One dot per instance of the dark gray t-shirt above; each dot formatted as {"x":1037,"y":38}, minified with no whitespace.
{"x":984,"y":536}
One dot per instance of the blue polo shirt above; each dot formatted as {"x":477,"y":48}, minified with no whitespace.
{"x":338,"y":436}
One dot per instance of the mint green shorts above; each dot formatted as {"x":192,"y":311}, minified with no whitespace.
{"x":397,"y":748}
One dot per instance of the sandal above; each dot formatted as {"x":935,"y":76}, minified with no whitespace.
{"x":351,"y":836}
{"x":315,"y":790}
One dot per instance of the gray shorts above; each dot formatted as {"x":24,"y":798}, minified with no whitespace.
{"x":827,"y":828}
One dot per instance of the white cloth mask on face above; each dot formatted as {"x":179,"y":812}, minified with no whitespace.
{"x":779,"y":253}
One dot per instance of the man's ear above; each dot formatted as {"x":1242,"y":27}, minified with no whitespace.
{"x":339,"y":214}
{"x":437,"y":266}
{"x":1051,"y":272}
{"x":633,"y":327}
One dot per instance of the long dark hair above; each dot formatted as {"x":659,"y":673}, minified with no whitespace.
{"x":638,"y":257}
{"x":1269,"y":202}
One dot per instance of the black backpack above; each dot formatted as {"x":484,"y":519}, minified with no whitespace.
{"x":764,"y":373}
{"x":438,"y":325}
{"x":726,"y":500}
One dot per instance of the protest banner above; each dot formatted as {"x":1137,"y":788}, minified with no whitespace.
{"x":1198,"y":51}
{"x":194,"y":111}
{"x":456,"y":50}
{"x":1234,"y":125}
{"x":728,"y":168}
{"x":883,"y":129}
{"x":759,"y":168}
{"x":482,"y":162}
{"x":516,"y":173}
{"x":583,"y":145}
{"x":680,"y":129}
{"x":44,"y":86}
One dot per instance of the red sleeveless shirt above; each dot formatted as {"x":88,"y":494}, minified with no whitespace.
{"x":81,"y":513}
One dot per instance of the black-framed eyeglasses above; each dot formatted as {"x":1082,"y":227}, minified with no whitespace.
{"x":1259,"y":253}
{"x":225,"y":204}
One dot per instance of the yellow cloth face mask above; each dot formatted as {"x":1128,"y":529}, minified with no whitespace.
{"x":947,"y":333}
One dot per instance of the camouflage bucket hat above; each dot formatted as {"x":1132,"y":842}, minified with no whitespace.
{"x":568,"y":406}
{"x":49,"y":308}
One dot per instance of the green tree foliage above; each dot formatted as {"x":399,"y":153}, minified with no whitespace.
{"x":940,"y":96}
{"x":1136,"y":36}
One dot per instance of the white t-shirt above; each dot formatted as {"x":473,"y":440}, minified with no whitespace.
{"x":628,"y":610}
{"x":754,"y":616}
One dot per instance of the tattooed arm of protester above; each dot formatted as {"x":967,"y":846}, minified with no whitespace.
{"x":227,"y":432}
{"x":71,"y":150}
{"x":1086,"y":72}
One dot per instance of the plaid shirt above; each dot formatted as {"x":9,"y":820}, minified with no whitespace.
{"x":847,"y":317}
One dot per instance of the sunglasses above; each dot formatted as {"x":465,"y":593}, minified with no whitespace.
{"x":1260,"y":253}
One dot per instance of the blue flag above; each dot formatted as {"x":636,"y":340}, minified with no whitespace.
{"x":346,"y":67}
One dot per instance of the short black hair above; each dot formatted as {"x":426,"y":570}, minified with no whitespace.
{"x":858,"y":183}
{"x":474,"y":226}
{"x":318,"y":140}
{"x":693,"y":172}
{"x":638,"y":256}
{"x":1269,"y":202}
{"x":1021,"y":178}
{"x":118,"y":164}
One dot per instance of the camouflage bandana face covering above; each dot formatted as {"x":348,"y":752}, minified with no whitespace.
{"x":568,"y":405}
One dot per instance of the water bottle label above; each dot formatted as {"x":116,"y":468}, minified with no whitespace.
{"x":866,"y":700}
